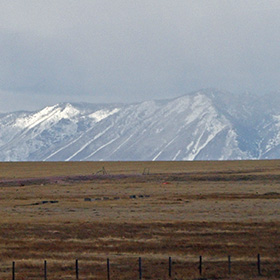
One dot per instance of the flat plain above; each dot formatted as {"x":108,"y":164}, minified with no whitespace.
{"x":92,"y":211}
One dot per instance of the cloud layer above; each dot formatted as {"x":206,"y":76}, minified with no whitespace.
{"x":115,"y":51}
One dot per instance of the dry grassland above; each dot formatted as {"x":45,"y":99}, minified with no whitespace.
{"x":179,"y":209}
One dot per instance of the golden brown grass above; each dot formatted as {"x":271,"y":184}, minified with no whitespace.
{"x":182,"y":210}
{"x":41,"y":169}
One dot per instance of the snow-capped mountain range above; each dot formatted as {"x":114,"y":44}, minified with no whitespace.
{"x":203,"y":125}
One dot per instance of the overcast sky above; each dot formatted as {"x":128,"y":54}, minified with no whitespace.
{"x":133,"y":50}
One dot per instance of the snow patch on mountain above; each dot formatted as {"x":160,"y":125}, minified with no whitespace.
{"x":102,"y":114}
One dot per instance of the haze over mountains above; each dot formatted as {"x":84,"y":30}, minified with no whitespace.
{"x":203,"y":125}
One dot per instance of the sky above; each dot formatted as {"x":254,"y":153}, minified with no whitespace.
{"x":103,"y":51}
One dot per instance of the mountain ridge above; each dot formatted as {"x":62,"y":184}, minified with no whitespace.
{"x":204,"y":125}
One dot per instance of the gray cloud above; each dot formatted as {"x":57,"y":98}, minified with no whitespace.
{"x":103,"y":51}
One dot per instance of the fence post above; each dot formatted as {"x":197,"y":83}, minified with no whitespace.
{"x":77,"y":269}
{"x":45,"y":270}
{"x":108,"y":269}
{"x":170,"y":267}
{"x":140,"y":268}
{"x":229,"y":265}
{"x":200,"y":265}
{"x":259,"y":264}
{"x":13,"y":270}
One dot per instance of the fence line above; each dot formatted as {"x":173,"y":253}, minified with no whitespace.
{"x":140,"y":271}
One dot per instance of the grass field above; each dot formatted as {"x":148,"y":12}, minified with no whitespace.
{"x":61,"y":212}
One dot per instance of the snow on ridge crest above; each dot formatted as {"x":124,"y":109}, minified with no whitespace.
{"x":103,"y":114}
{"x":68,"y":112}
{"x":31,"y":120}
{"x":50,"y":113}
